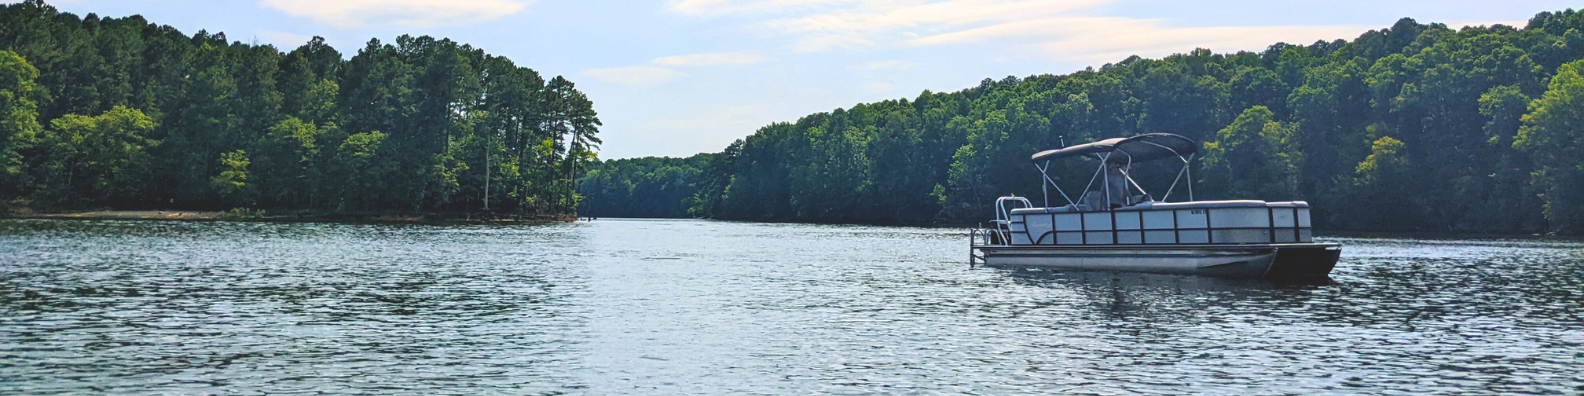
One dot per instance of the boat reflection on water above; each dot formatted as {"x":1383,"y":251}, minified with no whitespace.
{"x":1034,"y":275}
{"x":1166,"y":298}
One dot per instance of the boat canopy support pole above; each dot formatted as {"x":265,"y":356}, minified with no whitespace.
{"x":1130,"y":177}
{"x":1044,"y":187}
{"x":1106,"y":184}
{"x":1186,"y":171}
{"x":1175,"y":180}
{"x":1046,"y":175}
{"x":1134,"y":183}
{"x":1092,"y":179}
{"x":1187,"y":162}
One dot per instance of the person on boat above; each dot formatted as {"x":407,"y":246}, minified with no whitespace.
{"x":1116,"y":185}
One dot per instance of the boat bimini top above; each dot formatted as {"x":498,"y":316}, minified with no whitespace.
{"x":1146,"y":147}
{"x":1117,"y":156}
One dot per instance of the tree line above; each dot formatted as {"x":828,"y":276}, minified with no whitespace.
{"x":1416,"y":127}
{"x":124,"y":113}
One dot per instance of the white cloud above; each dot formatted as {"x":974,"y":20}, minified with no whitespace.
{"x":734,"y":119}
{"x":637,"y":76}
{"x":1051,"y":28}
{"x":1047,"y":28}
{"x":1156,"y":42}
{"x":879,"y":87}
{"x":647,"y":76}
{"x":883,"y":65}
{"x":711,"y":59}
{"x":349,"y":14}
{"x":1110,"y":39}
{"x":724,"y":7}
{"x":887,"y":16}
{"x":283,"y":40}
{"x":861,"y":24}
{"x":827,"y":42}
{"x":824,"y":25}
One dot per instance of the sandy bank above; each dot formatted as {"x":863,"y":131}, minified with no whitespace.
{"x":128,"y":215}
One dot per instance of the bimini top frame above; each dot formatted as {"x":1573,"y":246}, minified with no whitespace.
{"x":1146,"y":147}
{"x":1122,"y":153}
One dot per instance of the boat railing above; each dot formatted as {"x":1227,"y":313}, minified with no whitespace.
{"x":1215,"y":222}
{"x":1000,"y":231}
{"x":1004,"y":208}
{"x":980,"y":237}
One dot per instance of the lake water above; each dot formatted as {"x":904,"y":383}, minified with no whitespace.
{"x":704,"y":307}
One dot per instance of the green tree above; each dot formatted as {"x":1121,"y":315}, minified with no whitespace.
{"x":19,"y":126}
{"x":1258,"y":86}
{"x":1384,"y":164}
{"x":837,"y":179}
{"x":1381,"y":188}
{"x":1254,"y":157}
{"x":101,"y":160}
{"x":452,"y":119}
{"x":366,"y":168}
{"x":1292,"y":121}
{"x":294,"y":161}
{"x":1512,"y":195}
{"x":232,"y":182}
{"x":1553,"y":131}
{"x":583,"y":141}
{"x":970,"y":180}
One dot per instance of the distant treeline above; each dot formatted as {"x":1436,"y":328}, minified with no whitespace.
{"x":123,"y":113}
{"x":1416,"y":127}
{"x":644,"y":187}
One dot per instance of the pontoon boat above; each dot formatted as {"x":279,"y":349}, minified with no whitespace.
{"x":1117,"y":226}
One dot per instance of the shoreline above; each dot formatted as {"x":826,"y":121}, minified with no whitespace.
{"x":125,"y":215}
{"x":482,"y":218}
{"x":294,"y":217}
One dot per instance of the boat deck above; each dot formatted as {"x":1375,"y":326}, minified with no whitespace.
{"x":1282,"y":260}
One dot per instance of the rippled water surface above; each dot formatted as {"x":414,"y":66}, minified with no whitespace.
{"x":646,"y":307}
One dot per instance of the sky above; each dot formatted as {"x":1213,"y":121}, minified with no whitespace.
{"x":681,"y":77}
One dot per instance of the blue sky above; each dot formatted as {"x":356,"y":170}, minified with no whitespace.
{"x":679,"y":77}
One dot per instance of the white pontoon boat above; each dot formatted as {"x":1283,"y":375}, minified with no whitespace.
{"x":1120,"y":227}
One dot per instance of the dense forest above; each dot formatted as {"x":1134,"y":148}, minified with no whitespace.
{"x":1415,"y":127}
{"x":122,"y":113}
